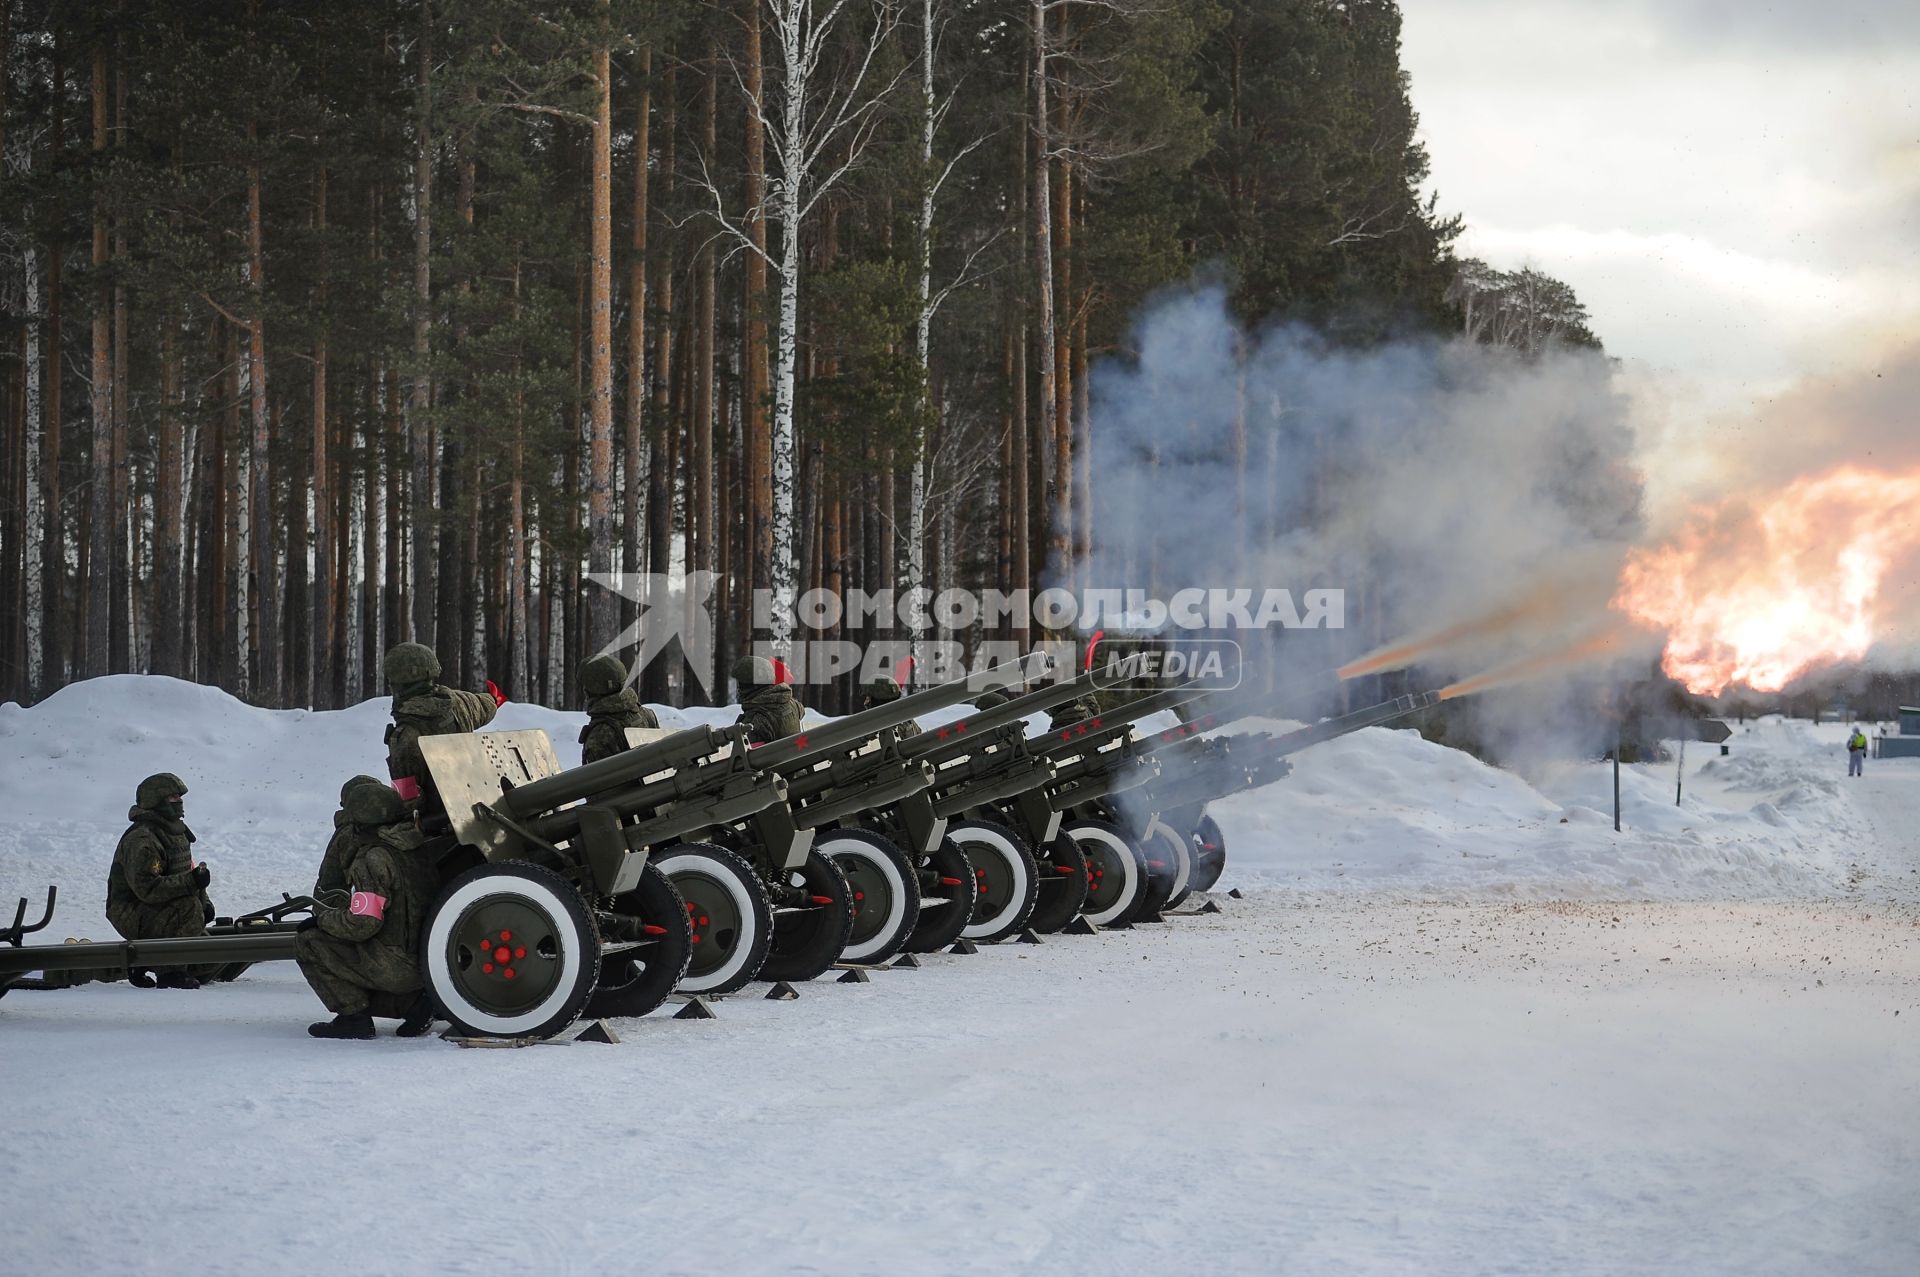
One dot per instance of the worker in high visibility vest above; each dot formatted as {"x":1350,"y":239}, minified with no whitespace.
{"x":1857,"y":753}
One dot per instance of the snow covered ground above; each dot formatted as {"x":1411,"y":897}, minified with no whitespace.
{"x":1456,"y":1025}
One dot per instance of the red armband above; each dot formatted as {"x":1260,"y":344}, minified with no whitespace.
{"x":367,"y":905}
{"x":499,"y":697}
{"x":407,"y":787}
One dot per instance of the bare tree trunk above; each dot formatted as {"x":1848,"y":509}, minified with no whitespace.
{"x":33,"y":426}
{"x":519,"y":664}
{"x":96,"y":580}
{"x":1082,"y":449}
{"x":759,"y":441}
{"x":700,"y":533}
{"x":661,"y":463}
{"x":266,"y":587}
{"x":602,"y":608}
{"x":631,"y":528}
{"x":425,"y":527}
{"x":167,"y":615}
{"x":1040,"y":215}
{"x":234,"y":617}
{"x":322,"y":639}
{"x":120,"y":645}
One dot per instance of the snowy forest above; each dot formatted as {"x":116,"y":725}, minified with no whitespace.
{"x":323,"y":327}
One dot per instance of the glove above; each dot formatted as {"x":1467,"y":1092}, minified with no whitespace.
{"x":307,"y":924}
{"x":499,"y":697}
{"x":207,"y":911}
{"x":201,"y":876}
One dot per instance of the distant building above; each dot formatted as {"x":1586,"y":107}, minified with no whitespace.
{"x":1907,"y":743}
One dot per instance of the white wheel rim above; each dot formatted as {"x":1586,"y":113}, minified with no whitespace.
{"x":889,"y":933}
{"x":1180,"y":850}
{"x":1129,"y":870}
{"x":1003,"y":847}
{"x":441,"y":930}
{"x":687,"y":866}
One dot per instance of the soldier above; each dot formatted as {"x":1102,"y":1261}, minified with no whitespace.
{"x":767,"y":704}
{"x":885,"y":691}
{"x":333,"y":864}
{"x":155,"y":890}
{"x":422,"y":707}
{"x":612,"y":707}
{"x":360,"y":957}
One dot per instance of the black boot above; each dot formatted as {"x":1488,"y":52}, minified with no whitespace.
{"x":358,"y":1027}
{"x":419,"y":1021}
{"x":141,"y":978}
{"x":178,"y":980}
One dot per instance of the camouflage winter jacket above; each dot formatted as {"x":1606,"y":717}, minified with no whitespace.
{"x":152,"y":867}
{"x":391,"y":884}
{"x":608,"y":718}
{"x":769,"y":713}
{"x":333,"y":862}
{"x":430,"y":710}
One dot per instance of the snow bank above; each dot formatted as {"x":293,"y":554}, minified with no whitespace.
{"x":1378,"y":810}
{"x":1386,"y":809}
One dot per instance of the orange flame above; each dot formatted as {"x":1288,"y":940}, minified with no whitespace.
{"x":1542,"y":601}
{"x":1758,"y":591}
{"x":1593,"y":647}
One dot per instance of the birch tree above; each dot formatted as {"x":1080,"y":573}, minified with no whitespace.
{"x":820,"y":112}
{"x":933,"y":111}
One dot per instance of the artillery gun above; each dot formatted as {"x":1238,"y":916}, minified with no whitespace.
{"x":852,"y":867}
{"x":549,"y":903}
{"x":1168,"y":813}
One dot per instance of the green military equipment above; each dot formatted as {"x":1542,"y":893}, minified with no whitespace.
{"x":362,"y":957}
{"x":753,"y":671}
{"x":770,"y":712}
{"x":612,"y":707}
{"x":158,"y":789}
{"x":409,"y":665}
{"x":843,"y":863}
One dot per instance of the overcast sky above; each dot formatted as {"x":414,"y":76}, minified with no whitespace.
{"x":1733,"y":188}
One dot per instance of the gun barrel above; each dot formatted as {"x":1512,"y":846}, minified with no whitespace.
{"x":623,"y":769}
{"x":806,"y":748}
{"x":1372,"y":716}
{"x":956,"y":738}
{"x":1091,"y":734}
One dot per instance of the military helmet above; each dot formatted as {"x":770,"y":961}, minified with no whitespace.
{"x":374,"y":804}
{"x":410,"y":664}
{"x":603,"y":676}
{"x":988,"y":699}
{"x":355,"y":783}
{"x":753,"y":671}
{"x":158,"y":789}
{"x":883,"y":691}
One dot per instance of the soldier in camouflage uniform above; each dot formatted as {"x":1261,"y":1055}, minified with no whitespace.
{"x":612,"y":707}
{"x":884,"y":691}
{"x":333,"y":864}
{"x":422,"y":707}
{"x":155,"y":891}
{"x":768,"y":706}
{"x":361,"y":956}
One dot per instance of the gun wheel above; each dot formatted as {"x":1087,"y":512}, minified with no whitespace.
{"x":510,"y":951}
{"x":809,"y":937}
{"x":1169,"y":866}
{"x":1209,"y":853}
{"x":1008,"y":879}
{"x":947,"y":893}
{"x":653,"y":916}
{"x":1063,"y":885}
{"x":1116,"y":872}
{"x":886,"y":892}
{"x":728,"y":911}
